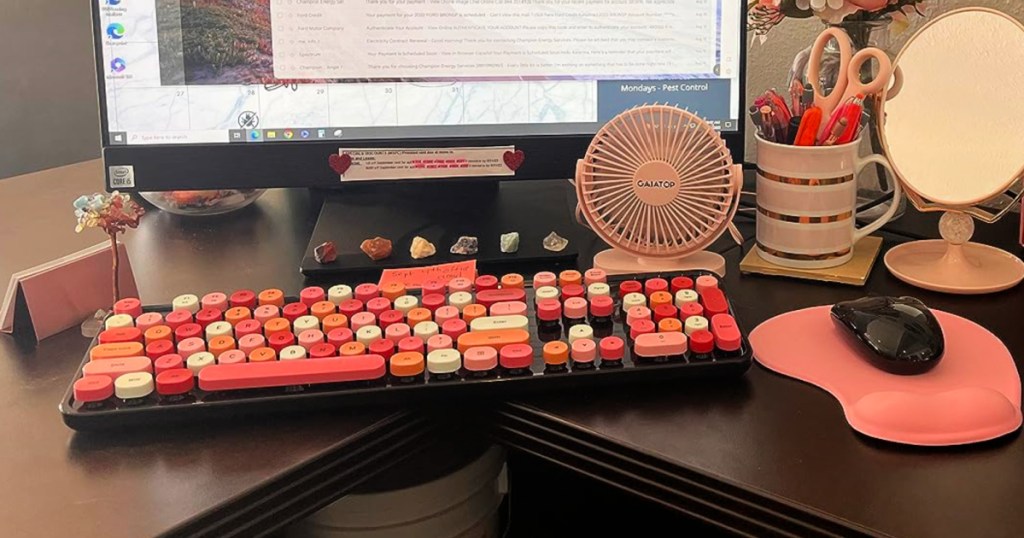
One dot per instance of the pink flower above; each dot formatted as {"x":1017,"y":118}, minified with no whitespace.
{"x":869,"y":5}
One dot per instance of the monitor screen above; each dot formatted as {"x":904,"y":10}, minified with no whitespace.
{"x":210,"y":72}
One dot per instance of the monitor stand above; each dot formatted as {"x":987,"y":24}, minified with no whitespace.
{"x":441,"y":211}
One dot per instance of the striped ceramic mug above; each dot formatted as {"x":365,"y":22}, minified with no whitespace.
{"x":807,"y":202}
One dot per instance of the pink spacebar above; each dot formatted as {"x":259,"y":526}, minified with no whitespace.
{"x":254,"y":375}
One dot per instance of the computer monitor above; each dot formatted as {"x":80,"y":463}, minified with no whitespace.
{"x":209,"y":94}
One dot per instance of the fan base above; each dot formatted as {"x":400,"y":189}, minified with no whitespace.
{"x":617,"y":262}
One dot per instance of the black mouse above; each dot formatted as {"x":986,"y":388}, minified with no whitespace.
{"x":899,"y":334}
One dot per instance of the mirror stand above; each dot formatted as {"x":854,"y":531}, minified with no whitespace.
{"x":953,"y":264}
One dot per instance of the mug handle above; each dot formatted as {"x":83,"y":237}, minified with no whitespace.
{"x":897,"y":193}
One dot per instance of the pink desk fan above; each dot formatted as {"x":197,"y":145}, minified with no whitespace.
{"x":659,"y":186}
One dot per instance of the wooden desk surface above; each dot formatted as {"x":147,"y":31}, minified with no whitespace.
{"x":61,"y":483}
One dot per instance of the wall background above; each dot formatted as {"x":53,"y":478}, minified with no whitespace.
{"x":48,"y":110}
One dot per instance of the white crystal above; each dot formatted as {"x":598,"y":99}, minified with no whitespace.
{"x":555,"y":242}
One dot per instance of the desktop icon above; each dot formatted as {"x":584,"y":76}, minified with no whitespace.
{"x":117,"y":65}
{"x":288,"y":134}
{"x":270,"y":135}
{"x":113,"y":2}
{"x":321,"y":133}
{"x":115,"y":30}
{"x":254,"y":135}
{"x":337,"y":133}
{"x":304,"y":133}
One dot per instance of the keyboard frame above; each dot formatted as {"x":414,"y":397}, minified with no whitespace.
{"x":209,"y":406}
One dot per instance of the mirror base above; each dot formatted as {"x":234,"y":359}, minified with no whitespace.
{"x":967,"y":269}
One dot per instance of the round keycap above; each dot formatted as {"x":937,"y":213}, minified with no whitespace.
{"x":247,"y":327}
{"x":159,"y":332}
{"x":220,"y":344}
{"x":473,"y":311}
{"x":360,"y":320}
{"x":630,"y":286}
{"x":516,"y":356}
{"x":696,"y":323}
{"x":323,"y":350}
{"x":439,"y":341}
{"x":215,"y":300}
{"x":350,"y":307}
{"x":486,"y":282}
{"x":174,"y":382}
{"x":306,"y":323}
{"x":425,"y":329}
{"x":544,"y":279}
{"x":365,"y":292}
{"x":187,"y":301}
{"x":199,"y":361}
{"x":280,"y":340}
{"x":602,"y":306}
{"x":177,"y":318}
{"x":191,"y":346}
{"x":276,"y":325}
{"x":549,"y":310}
{"x":352,"y":349}
{"x":578,"y":332}
{"x":480,"y":359}
{"x":445,"y":313}
{"x":655,"y":285}
{"x":660,"y":298}
{"x":312,"y":295}
{"x":219,"y":328}
{"x":641,"y":326}
{"x":383,"y":347}
{"x":392,"y":290}
{"x":411,"y":343}
{"x":274,"y":297}
{"x":633,"y":300}
{"x":130,"y":306}
{"x":592,"y":276}
{"x":434,"y":287}
{"x":265,"y":313}
{"x":680,"y":283}
{"x":293,"y":311}
{"x":569,"y":277}
{"x":612,"y":348}
{"x":598,"y":289}
{"x":574,"y":308}
{"x":93,"y":388}
{"x":546,"y":292}
{"x":702,"y":342}
{"x":168,"y":362}
{"x":688,"y":310}
{"x":311,"y":337}
{"x":149,"y":319}
{"x":159,"y":348}
{"x":573,"y":290}
{"x":334,"y":321}
{"x":705,"y":282}
{"x":397,"y":331}
{"x":556,"y":352}
{"x":584,"y":350}
{"x":512,"y":280}
{"x":444,"y":361}
{"x":460,"y":299}
{"x":456,"y":285}
{"x":118,"y":321}
{"x":368,"y":334}
{"x":406,"y":364}
{"x":433,"y":302}
{"x":134,"y":385}
{"x":322,"y":309}
{"x":207,"y":316}
{"x":125,"y":334}
{"x":339,"y":294}
{"x":417,"y":315}
{"x":231,"y":356}
{"x":263,"y":354}
{"x":236,"y":314}
{"x":250,"y":342}
{"x":244,"y":298}
{"x":637,"y":313}
{"x":340,"y":336}
{"x":454,"y":328}
{"x":378,"y":305}
{"x":665,"y":311}
{"x":390,"y":317}
{"x":670,"y":325}
{"x":292,"y":353}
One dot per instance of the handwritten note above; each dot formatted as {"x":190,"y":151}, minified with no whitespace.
{"x":413,"y":163}
{"x":414,"y":277}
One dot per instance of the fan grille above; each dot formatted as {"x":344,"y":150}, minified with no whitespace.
{"x":657,"y":182}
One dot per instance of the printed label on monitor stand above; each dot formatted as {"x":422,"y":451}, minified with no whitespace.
{"x":418,"y":163}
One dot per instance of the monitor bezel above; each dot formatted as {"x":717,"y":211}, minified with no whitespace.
{"x":305,"y":164}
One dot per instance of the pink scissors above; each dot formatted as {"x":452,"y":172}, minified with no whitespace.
{"x":848,"y":83}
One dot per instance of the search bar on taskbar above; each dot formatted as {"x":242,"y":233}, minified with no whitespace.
{"x":175,"y":137}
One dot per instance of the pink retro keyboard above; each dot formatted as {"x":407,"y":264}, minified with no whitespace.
{"x":247,"y":352}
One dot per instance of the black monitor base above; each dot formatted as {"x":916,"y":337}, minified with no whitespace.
{"x":441,"y":212}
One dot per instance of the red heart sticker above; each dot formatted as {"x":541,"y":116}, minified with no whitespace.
{"x":340,"y":163}
{"x":514,"y":159}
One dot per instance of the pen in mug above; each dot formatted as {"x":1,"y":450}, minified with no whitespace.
{"x":796,"y":91}
{"x":755,"y":116}
{"x":768,"y":130}
{"x":837,"y":131}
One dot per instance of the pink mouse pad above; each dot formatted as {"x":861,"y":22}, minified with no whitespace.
{"x":972,"y":395}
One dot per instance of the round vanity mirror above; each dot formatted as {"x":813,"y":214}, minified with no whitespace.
{"x":954,"y":133}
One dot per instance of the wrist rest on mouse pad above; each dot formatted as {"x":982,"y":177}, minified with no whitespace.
{"x":972,"y":395}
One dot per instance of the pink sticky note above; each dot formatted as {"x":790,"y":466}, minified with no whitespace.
{"x":414,"y":277}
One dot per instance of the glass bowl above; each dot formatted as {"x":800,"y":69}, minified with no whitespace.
{"x":213,"y":202}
